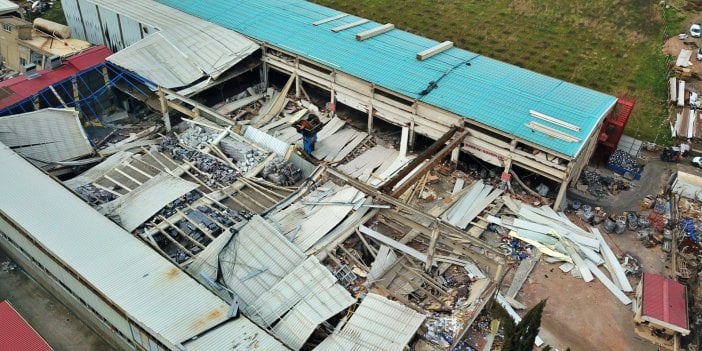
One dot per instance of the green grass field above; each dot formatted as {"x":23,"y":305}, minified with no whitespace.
{"x":613,"y":46}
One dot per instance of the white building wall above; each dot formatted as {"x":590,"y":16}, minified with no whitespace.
{"x":75,"y":287}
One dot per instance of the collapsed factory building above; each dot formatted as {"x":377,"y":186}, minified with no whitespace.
{"x":516,"y":118}
{"x":253,"y":244}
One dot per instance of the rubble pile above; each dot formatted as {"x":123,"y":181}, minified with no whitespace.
{"x":601,"y":186}
{"x":178,"y":204}
{"x":282,"y":172}
{"x":211,"y":170}
{"x":196,"y":137}
{"x":441,"y":330}
{"x":94,"y":195}
{"x":245,"y":156}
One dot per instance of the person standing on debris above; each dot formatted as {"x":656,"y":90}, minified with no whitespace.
{"x":308,"y":127}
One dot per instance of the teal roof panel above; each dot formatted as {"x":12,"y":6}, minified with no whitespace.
{"x":476,"y":87}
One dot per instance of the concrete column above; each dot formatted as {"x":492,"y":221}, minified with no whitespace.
{"x":411,"y":136}
{"x":332,"y":101}
{"x":298,"y":86}
{"x":561,"y":196}
{"x":404,"y":141}
{"x":370,"y":118}
{"x":264,"y":75}
{"x":455,"y":153}
{"x":76,"y":93}
{"x":506,"y":176}
{"x":564,"y":187}
{"x":164,"y":110}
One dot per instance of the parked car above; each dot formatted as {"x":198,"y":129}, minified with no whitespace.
{"x":697,"y":161}
{"x":695,"y":30}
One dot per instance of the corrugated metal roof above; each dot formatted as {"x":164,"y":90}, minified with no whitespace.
{"x":377,"y":324}
{"x":256,"y":259}
{"x":488,"y":91}
{"x":665,"y":300}
{"x":236,"y":335}
{"x":146,"y":286}
{"x":46,"y":136}
{"x":305,"y":280}
{"x":21,"y":88}
{"x":16,"y":333}
{"x":298,"y":324}
{"x":185,"y":48}
{"x":178,"y":56}
{"x":159,"y":61}
{"x":140,"y":204}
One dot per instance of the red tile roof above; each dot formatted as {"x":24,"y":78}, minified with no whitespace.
{"x":16,"y":333}
{"x":664,"y":300}
{"x":19,"y":88}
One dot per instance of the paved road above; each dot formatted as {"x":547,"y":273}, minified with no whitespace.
{"x":51,"y":319}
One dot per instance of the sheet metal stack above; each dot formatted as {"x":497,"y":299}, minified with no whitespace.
{"x":476,"y":198}
{"x":556,"y":236}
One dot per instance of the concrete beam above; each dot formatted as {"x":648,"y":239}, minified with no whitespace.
{"x":434,"y":50}
{"x":375,"y":31}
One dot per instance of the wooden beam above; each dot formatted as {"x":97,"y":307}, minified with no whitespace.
{"x":437,"y":156}
{"x":431,"y":248}
{"x":367,"y":189}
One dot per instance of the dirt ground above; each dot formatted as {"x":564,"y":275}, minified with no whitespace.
{"x":673,"y":46}
{"x":586,"y":316}
{"x":51,"y":319}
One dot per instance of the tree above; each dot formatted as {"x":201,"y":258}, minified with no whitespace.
{"x":528,"y":328}
{"x":519,"y":337}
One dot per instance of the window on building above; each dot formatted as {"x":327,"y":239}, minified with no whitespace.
{"x":23,"y":61}
{"x":7,"y":27}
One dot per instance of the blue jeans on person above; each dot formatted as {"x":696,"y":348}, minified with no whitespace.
{"x":308,"y":143}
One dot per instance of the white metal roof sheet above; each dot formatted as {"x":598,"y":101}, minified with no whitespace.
{"x":305,"y":280}
{"x":298,"y":324}
{"x":377,"y":324}
{"x":140,"y":204}
{"x":235,"y":335}
{"x":147,"y":287}
{"x":46,"y":136}
{"x":159,"y":61}
{"x":99,"y":170}
{"x":7,"y":6}
{"x":256,"y":259}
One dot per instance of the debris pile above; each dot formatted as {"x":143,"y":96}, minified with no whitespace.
{"x":245,"y":156}
{"x":196,"y":137}
{"x":441,"y":330}
{"x":282,"y":172}
{"x":209,"y":169}
{"x":601,"y":186}
{"x":554,"y":235}
{"x":94,"y":195}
